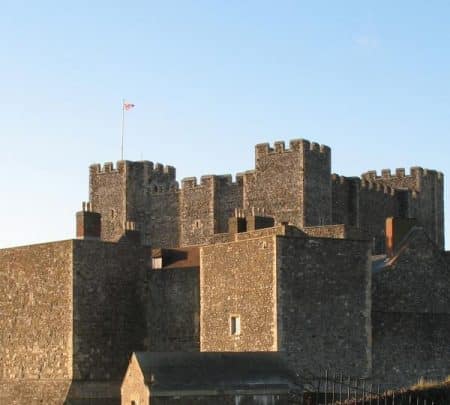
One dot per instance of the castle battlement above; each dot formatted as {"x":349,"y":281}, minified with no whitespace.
{"x":147,"y":167}
{"x":414,"y":172}
{"x":210,"y":179}
{"x":376,"y":186}
{"x":295,"y":145}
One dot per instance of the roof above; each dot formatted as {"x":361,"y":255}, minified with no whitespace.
{"x":213,"y":371}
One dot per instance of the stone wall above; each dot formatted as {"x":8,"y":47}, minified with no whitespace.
{"x":134,"y":387}
{"x":107,"y":193}
{"x":36,"y":322}
{"x":411,"y":314}
{"x":173,"y":310}
{"x":425,"y":202}
{"x":152,"y":202}
{"x":108,"y":308}
{"x":26,"y":392}
{"x":336,"y":232}
{"x":292,"y":185}
{"x":324,"y":304}
{"x":408,"y":346}
{"x":238,"y":279}
{"x":227,"y":197}
{"x":196,"y":211}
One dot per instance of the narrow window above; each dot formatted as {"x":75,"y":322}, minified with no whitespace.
{"x":157,"y":263}
{"x":235,"y":325}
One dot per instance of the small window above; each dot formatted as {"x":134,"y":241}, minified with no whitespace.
{"x":157,"y":263}
{"x":113,"y":213}
{"x":134,"y":403}
{"x":197,"y":223}
{"x":235,"y":325}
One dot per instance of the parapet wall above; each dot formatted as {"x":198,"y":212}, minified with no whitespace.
{"x":295,"y":145}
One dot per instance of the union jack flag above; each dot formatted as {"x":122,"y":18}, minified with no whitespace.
{"x":127,"y":106}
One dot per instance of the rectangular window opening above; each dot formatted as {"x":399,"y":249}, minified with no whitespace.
{"x":235,"y":325}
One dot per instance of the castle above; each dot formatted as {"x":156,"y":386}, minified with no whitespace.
{"x":344,"y":273}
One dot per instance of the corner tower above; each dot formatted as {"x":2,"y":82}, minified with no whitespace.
{"x":141,"y":192}
{"x":292,"y":185}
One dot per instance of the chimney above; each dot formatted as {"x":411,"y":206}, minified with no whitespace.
{"x":88,"y":223}
{"x":238,"y":223}
{"x":396,"y":230}
{"x":131,"y":233}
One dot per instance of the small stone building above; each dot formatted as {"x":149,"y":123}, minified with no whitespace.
{"x":208,"y":378}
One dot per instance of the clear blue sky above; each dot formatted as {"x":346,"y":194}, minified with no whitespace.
{"x":210,"y":79}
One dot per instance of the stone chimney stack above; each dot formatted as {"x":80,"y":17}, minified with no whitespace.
{"x":88,"y":223}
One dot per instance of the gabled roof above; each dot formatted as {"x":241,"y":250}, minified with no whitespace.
{"x":213,"y":372}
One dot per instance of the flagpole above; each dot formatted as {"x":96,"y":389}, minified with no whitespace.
{"x":123,"y":127}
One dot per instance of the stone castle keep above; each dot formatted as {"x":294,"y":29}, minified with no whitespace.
{"x":344,"y":273}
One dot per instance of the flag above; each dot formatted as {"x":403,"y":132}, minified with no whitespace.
{"x":127,"y":106}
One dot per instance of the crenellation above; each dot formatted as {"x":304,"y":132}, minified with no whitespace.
{"x":386,"y":173}
{"x":338,"y":179}
{"x":108,"y":167}
{"x":400,"y":172}
{"x":188,"y":182}
{"x":299,"y":144}
{"x":207,"y":180}
{"x":325,"y":149}
{"x":279,"y":147}
{"x":170,"y":170}
{"x":262,"y":149}
{"x":416,"y":171}
{"x":95,"y":168}
{"x":315,"y":147}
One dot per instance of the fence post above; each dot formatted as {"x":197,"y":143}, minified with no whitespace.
{"x":348,"y":389}
{"x":333,"y":392}
{"x":364,"y":392}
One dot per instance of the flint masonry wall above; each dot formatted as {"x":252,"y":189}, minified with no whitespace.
{"x":238,"y":279}
{"x":152,"y":202}
{"x":35,"y":323}
{"x":324,"y":304}
{"x":425,"y":202}
{"x":174,"y":310}
{"x":411,"y":316}
{"x":107,"y":193}
{"x":292,"y":185}
{"x":345,"y":200}
{"x":108,"y":315}
{"x":142,"y":192}
{"x":74,"y":312}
